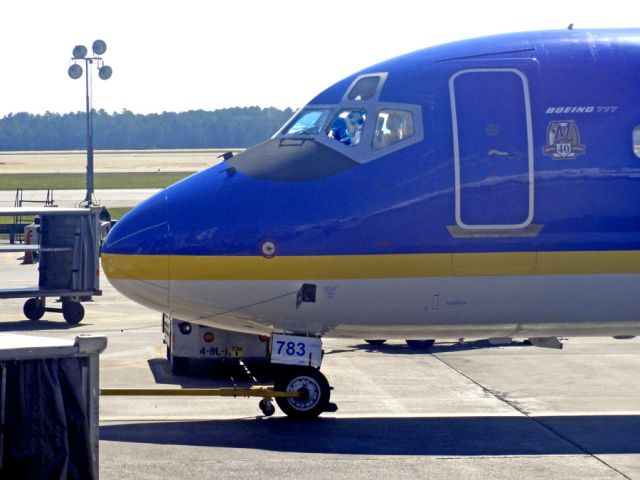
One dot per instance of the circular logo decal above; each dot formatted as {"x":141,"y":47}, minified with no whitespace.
{"x":268,"y":249}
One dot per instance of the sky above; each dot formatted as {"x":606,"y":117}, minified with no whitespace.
{"x":188,"y":54}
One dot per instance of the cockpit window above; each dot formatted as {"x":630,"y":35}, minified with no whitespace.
{"x":347,"y":126}
{"x":392,"y":126}
{"x":364,"y":89}
{"x":309,"y":120}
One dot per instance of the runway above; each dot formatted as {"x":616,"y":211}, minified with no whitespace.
{"x":465,"y":410}
{"x":71,"y":198}
{"x":106,"y":161}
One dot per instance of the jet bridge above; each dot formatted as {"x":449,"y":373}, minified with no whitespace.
{"x":69,"y":254}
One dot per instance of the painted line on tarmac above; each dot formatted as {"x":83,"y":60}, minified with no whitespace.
{"x":503,"y":398}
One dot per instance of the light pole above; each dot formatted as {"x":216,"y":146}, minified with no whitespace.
{"x":75,"y":72}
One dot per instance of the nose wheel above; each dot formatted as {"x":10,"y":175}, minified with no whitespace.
{"x":313,"y":389}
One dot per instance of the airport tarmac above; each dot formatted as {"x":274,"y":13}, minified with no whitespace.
{"x":113,"y":161}
{"x":469,"y":411}
{"x":112,"y":198}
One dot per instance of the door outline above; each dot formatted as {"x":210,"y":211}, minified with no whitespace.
{"x":456,"y":149}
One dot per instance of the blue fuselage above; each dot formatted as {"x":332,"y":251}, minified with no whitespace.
{"x":523,"y":143}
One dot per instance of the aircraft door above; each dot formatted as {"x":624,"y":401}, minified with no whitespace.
{"x":493,"y":150}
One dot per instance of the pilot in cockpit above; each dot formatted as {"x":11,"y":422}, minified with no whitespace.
{"x":355,"y":126}
{"x":347,"y":127}
{"x":395,"y":128}
{"x":339,"y":131}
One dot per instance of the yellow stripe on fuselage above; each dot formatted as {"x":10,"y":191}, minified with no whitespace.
{"x":347,"y":267}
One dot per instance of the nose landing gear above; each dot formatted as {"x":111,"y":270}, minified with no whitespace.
{"x":313,"y":390}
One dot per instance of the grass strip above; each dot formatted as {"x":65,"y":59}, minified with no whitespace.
{"x":116,"y":214}
{"x":73,"y":181}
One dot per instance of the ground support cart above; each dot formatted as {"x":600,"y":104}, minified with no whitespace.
{"x":68,"y":247}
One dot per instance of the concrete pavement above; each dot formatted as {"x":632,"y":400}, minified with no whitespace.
{"x":461,"y":411}
{"x":72,"y":198}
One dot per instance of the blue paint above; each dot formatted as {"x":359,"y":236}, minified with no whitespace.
{"x":403,"y":202}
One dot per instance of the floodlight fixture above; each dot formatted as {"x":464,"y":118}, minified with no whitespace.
{"x":105,"y":72}
{"x":79,"y":52}
{"x":99,"y":47}
{"x":75,"y":71}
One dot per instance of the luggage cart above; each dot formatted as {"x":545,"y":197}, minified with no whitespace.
{"x":49,"y":406}
{"x":69,"y":260}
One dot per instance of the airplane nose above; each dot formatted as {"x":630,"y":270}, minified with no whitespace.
{"x":135,"y":254}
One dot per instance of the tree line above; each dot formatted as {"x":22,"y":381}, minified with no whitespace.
{"x":229,"y":127}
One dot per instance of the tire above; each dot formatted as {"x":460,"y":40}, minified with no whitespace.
{"x":375,"y":343}
{"x":303,"y":379}
{"x":266,"y":407}
{"x":73,"y":312}
{"x":33,"y":309}
{"x":420,"y":344}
